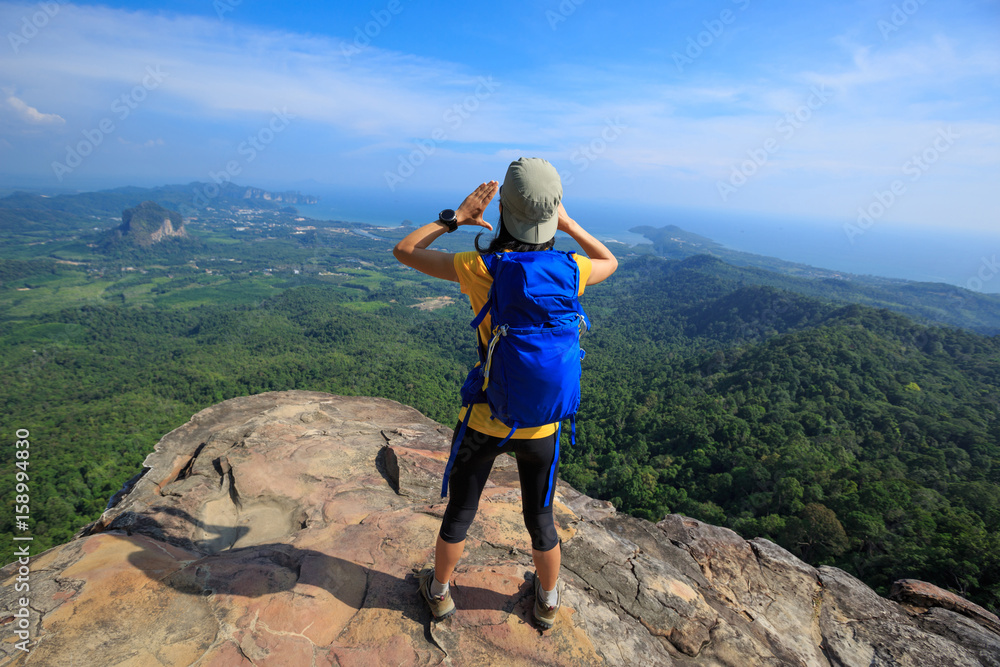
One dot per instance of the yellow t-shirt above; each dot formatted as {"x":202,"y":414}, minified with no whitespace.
{"x":475,"y":282}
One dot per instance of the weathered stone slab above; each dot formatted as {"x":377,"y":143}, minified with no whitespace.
{"x":285,"y":528}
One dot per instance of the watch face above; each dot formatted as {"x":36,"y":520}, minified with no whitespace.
{"x":447,"y":215}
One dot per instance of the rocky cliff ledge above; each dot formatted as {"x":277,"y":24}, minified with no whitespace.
{"x":283,"y":529}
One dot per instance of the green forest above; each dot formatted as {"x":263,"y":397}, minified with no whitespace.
{"x":850,"y":435}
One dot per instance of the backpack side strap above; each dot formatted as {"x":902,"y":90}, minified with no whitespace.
{"x":459,"y":436}
{"x":555,"y":458}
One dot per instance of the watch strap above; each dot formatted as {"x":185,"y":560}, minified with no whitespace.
{"x":448,"y":219}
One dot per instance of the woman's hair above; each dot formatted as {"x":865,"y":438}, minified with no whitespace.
{"x":504,"y":241}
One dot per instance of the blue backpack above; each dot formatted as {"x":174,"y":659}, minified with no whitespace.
{"x":529,"y":372}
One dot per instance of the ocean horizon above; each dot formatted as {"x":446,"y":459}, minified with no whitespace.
{"x":966,"y":258}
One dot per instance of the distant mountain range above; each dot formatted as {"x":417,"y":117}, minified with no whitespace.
{"x":673,"y":242}
{"x":928,"y":302}
{"x":188,"y":199}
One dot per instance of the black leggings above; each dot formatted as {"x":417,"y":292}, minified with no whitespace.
{"x":473,"y":463}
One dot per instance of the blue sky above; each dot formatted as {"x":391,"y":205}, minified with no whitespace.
{"x":805,"y":111}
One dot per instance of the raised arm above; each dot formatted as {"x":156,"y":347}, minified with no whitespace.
{"x":413,"y":249}
{"x":604,"y":263}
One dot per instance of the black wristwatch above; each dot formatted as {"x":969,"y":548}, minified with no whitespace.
{"x":447,"y":218}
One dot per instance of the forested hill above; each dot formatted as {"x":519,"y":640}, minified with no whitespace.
{"x":928,"y":302}
{"x":713,"y":299}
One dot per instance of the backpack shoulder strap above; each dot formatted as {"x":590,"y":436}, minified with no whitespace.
{"x":489,"y":261}
{"x":482,"y":314}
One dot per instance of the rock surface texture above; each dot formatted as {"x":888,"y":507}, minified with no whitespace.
{"x":284,"y":529}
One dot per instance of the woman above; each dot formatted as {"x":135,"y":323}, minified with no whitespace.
{"x":531,"y":212}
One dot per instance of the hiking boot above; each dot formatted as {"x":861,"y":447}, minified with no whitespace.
{"x":441,"y":607}
{"x":545,"y":615}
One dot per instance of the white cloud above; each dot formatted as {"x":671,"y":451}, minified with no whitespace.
{"x":30,"y":115}
{"x":683,"y":133}
{"x":94,"y":54}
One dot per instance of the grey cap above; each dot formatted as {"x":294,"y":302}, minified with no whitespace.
{"x":530,"y":196}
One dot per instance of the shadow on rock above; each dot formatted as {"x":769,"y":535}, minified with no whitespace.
{"x":270,"y":569}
